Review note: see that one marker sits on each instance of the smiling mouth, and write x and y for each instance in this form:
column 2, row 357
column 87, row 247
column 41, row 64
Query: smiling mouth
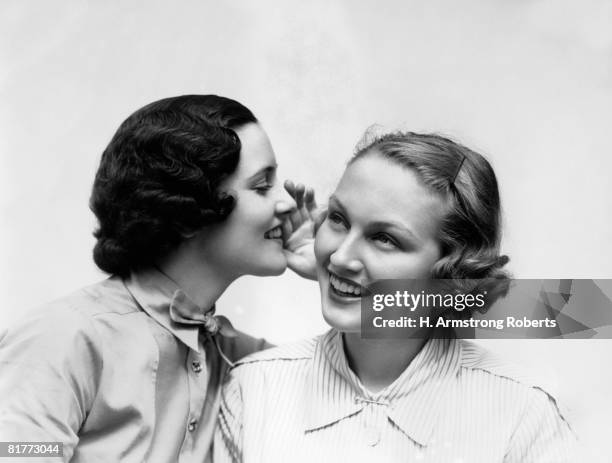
column 345, row 288
column 274, row 234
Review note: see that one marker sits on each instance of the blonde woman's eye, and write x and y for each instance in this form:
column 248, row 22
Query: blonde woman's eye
column 336, row 218
column 385, row 240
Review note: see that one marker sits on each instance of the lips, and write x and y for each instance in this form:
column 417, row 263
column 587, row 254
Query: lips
column 274, row 233
column 344, row 287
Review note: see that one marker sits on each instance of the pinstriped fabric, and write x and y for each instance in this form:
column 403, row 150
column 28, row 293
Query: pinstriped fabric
column 454, row 403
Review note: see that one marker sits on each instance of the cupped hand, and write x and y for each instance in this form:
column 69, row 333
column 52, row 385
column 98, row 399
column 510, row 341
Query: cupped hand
column 299, row 231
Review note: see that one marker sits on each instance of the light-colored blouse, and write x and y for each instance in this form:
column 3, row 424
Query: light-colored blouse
column 109, row 374
column 454, row 403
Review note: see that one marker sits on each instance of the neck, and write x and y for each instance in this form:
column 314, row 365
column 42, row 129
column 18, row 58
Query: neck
column 201, row 282
column 379, row 362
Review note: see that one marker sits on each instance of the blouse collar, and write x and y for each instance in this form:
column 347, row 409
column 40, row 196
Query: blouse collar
column 156, row 294
column 413, row 401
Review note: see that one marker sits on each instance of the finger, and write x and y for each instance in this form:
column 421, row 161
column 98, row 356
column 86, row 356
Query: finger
column 290, row 187
column 301, row 192
column 296, row 219
column 309, row 200
column 296, row 216
column 287, row 229
column 299, row 195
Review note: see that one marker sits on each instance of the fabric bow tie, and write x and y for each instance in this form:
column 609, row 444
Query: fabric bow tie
column 184, row 311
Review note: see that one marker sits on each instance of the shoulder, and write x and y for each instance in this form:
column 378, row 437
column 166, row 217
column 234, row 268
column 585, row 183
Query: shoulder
column 279, row 373
column 300, row 350
column 70, row 319
column 58, row 341
column 238, row 347
column 288, row 360
column 476, row 359
column 498, row 377
column 524, row 400
column 109, row 296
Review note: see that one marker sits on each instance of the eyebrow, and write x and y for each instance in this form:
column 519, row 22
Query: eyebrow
column 334, row 199
column 262, row 172
column 378, row 223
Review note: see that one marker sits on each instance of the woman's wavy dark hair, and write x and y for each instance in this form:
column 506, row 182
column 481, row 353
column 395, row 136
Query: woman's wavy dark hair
column 470, row 231
column 159, row 176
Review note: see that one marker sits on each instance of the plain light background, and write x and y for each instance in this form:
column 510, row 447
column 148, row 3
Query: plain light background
column 526, row 83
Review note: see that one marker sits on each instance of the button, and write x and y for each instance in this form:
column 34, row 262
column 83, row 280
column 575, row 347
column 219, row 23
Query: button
column 196, row 366
column 192, row 425
column 372, row 436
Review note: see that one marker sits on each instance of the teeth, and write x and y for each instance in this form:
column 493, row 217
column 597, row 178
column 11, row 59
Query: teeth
column 274, row 233
column 344, row 287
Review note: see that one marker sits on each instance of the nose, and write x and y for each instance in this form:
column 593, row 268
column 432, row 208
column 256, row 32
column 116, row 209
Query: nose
column 345, row 258
column 285, row 204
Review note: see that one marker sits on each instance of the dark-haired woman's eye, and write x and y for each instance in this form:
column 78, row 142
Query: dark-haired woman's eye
column 262, row 189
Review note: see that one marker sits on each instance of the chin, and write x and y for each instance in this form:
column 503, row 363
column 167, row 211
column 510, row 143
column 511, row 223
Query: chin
column 346, row 319
column 272, row 272
column 272, row 266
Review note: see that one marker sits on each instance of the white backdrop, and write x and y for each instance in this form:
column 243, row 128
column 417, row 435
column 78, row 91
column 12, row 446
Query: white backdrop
column 528, row 83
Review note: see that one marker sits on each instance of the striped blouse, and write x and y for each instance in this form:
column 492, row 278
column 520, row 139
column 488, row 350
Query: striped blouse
column 454, row 403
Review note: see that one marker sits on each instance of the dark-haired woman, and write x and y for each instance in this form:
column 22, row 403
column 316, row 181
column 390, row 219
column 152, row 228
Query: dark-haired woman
column 409, row 206
column 128, row 369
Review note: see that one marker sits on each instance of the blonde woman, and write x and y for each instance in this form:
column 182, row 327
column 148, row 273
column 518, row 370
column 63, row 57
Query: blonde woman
column 408, row 206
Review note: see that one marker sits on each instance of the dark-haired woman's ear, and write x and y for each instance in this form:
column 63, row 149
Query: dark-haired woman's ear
column 299, row 231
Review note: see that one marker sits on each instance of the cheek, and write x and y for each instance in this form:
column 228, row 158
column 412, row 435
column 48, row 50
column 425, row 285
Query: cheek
column 250, row 215
column 417, row 266
column 325, row 244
